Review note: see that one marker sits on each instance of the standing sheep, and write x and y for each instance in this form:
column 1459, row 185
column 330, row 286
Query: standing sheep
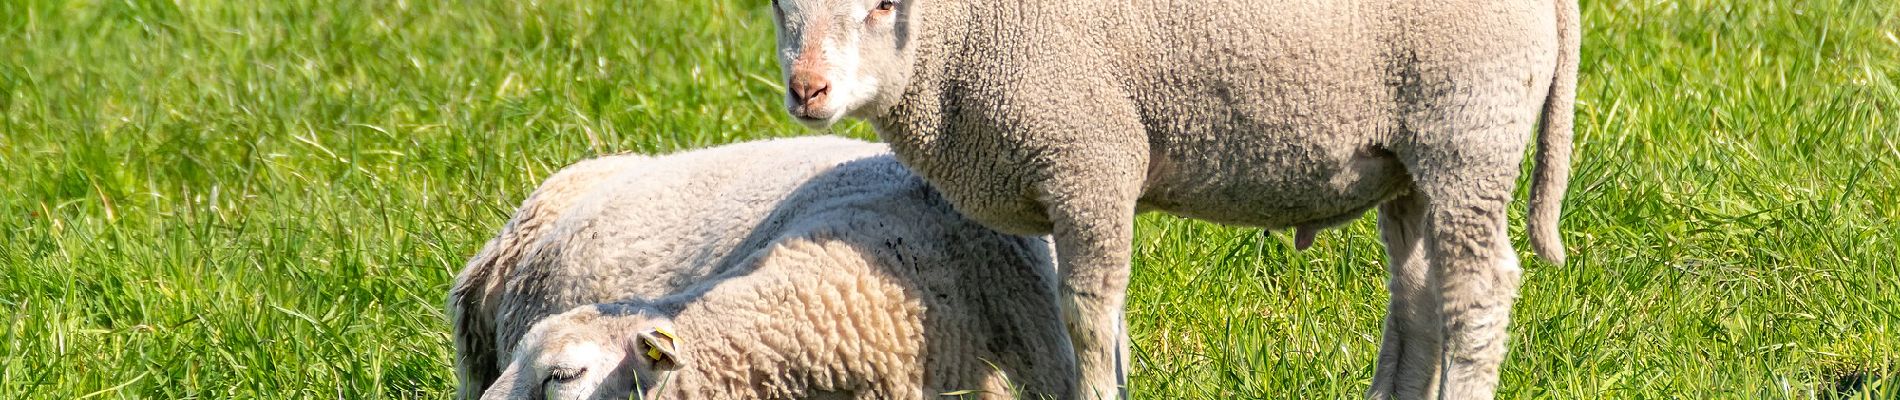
column 1068, row 117
column 791, row 268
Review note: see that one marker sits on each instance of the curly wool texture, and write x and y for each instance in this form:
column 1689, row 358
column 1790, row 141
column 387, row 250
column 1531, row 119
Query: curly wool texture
column 1068, row 117
column 850, row 307
column 1267, row 113
column 618, row 227
column 791, row 268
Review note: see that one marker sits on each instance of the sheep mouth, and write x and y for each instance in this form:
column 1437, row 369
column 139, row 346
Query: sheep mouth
column 811, row 118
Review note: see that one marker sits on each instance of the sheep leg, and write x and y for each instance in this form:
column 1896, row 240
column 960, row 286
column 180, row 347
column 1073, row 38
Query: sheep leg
column 1478, row 277
column 1468, row 184
column 1408, row 365
column 1092, row 247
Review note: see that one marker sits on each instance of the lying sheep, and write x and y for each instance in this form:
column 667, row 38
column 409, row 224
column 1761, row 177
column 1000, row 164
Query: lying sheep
column 1070, row 116
column 794, row 268
column 616, row 227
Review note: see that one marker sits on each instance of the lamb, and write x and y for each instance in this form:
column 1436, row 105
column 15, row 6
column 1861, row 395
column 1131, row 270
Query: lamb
column 618, row 227
column 793, row 268
column 1070, row 117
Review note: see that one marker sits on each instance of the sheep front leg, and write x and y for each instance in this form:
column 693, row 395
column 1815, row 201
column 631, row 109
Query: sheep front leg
column 1094, row 265
column 1092, row 246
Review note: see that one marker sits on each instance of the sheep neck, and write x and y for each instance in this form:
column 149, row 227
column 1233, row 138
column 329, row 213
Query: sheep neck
column 918, row 112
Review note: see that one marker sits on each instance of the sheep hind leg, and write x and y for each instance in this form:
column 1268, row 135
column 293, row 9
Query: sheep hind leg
column 1475, row 272
column 1408, row 364
column 1478, row 277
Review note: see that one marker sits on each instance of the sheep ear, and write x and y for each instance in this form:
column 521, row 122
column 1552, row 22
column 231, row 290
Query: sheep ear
column 661, row 346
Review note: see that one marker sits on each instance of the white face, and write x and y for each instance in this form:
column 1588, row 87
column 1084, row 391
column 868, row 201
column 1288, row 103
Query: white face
column 583, row 354
column 578, row 371
column 839, row 56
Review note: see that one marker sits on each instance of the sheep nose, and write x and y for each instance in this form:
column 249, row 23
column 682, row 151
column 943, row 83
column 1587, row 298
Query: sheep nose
column 808, row 88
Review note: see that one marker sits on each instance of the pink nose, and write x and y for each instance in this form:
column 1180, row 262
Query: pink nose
column 808, row 88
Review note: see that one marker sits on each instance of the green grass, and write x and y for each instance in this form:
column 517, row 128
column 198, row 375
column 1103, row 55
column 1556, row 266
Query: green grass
column 221, row 199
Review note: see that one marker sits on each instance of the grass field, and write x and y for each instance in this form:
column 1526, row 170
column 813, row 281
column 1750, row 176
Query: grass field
column 236, row 199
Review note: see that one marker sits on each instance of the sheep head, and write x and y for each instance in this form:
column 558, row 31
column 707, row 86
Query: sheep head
column 600, row 351
column 843, row 57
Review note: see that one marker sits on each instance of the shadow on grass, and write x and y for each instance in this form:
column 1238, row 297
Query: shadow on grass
column 1860, row 385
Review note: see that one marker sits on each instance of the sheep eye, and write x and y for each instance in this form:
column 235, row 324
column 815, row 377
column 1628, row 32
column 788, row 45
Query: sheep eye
column 563, row 374
column 886, row 5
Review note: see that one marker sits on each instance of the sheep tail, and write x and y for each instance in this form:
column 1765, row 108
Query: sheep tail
column 1552, row 174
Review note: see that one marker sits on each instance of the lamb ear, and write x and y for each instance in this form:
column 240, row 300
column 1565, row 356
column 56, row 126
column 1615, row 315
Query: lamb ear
column 659, row 345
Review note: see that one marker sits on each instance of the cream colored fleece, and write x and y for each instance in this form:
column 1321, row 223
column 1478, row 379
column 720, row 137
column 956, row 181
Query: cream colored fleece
column 1067, row 117
column 854, row 281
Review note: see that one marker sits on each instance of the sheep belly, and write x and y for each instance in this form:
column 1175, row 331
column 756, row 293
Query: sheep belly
column 1278, row 191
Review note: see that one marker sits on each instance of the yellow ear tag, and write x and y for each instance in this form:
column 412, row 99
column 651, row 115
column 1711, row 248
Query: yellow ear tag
column 653, row 349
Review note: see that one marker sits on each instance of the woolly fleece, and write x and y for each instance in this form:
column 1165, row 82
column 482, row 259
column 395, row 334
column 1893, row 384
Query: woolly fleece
column 1069, row 117
column 792, row 268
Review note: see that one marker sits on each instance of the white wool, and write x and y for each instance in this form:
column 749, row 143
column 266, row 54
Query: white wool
column 790, row 268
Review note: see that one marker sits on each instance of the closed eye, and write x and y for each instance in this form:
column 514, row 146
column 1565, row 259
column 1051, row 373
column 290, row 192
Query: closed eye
column 565, row 374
